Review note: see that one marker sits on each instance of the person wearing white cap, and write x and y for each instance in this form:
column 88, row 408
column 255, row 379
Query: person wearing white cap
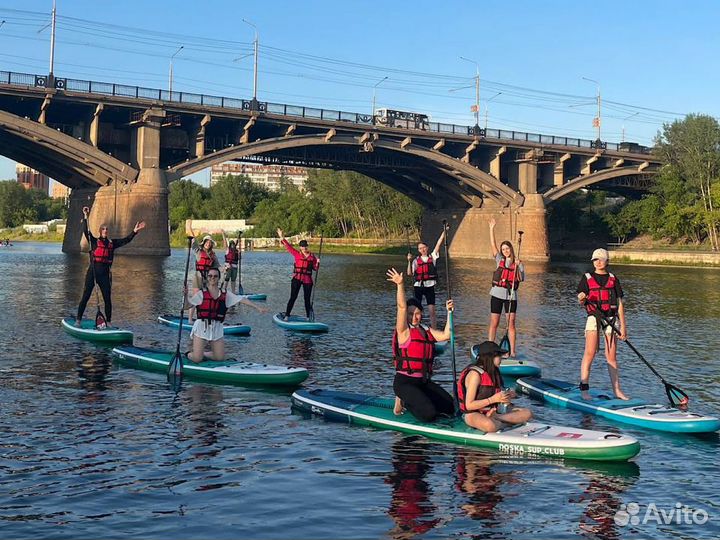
column 601, row 294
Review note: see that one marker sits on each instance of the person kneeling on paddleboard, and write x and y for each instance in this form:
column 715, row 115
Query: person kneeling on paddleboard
column 211, row 303
column 305, row 264
column 102, row 253
column 413, row 353
column 483, row 401
column 601, row 289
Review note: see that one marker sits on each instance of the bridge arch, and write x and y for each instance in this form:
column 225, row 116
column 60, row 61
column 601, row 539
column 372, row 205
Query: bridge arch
column 68, row 160
column 464, row 182
column 581, row 182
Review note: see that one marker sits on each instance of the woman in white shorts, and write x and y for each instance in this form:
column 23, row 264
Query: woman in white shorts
column 601, row 294
column 212, row 303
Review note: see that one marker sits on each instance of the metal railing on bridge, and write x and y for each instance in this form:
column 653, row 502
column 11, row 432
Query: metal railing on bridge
column 139, row 92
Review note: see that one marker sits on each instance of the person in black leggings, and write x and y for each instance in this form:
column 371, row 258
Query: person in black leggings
column 102, row 251
column 413, row 349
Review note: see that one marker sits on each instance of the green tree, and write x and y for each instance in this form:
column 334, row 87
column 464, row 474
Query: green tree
column 293, row 211
column 186, row 200
column 16, row 204
column 234, row 197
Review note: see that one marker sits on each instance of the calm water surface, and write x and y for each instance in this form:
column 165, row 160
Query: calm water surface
column 90, row 449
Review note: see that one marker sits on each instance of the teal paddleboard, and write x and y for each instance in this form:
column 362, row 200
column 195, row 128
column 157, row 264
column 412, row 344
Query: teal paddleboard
column 534, row 439
column 635, row 411
column 87, row 331
column 299, row 324
column 228, row 329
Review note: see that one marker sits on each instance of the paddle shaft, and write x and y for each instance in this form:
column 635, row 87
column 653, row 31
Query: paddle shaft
column 451, row 321
column 512, row 291
column 317, row 273
column 175, row 367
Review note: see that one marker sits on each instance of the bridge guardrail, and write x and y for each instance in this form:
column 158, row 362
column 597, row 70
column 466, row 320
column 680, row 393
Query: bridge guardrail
column 113, row 89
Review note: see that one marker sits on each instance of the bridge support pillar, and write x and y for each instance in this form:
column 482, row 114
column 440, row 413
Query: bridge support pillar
column 469, row 230
column 120, row 206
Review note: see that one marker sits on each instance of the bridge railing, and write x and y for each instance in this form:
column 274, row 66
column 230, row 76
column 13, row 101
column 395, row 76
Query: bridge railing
column 139, row 92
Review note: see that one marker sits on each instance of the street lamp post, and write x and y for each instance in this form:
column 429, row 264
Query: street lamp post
column 623, row 126
column 254, row 103
column 598, row 119
column 477, row 91
column 372, row 113
column 170, row 77
column 486, row 110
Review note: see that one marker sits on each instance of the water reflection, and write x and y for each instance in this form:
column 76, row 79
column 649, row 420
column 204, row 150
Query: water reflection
column 302, row 351
column 410, row 505
column 602, row 497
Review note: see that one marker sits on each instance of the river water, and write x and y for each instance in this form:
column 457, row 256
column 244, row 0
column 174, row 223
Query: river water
column 91, row 449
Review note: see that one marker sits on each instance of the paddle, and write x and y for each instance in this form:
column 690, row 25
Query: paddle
column 450, row 319
column 505, row 341
column 317, row 273
column 175, row 369
column 677, row 397
column 240, row 289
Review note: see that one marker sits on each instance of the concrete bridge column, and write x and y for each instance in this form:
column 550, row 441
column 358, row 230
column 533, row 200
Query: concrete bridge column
column 469, row 230
column 120, row 205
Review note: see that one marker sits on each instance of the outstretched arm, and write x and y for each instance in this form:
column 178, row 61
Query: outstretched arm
column 493, row 243
column 401, row 326
column 445, row 334
column 439, row 243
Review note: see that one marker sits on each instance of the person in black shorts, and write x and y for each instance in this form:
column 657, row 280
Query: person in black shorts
column 508, row 274
column 423, row 269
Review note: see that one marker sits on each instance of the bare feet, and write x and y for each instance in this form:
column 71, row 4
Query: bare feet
column 619, row 394
column 398, row 409
column 78, row 323
column 586, row 395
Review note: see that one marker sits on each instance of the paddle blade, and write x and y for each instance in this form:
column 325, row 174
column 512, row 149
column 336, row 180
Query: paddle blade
column 100, row 322
column 677, row 397
column 505, row 343
column 175, row 371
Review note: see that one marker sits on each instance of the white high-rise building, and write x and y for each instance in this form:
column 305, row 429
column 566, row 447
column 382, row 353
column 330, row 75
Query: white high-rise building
column 268, row 176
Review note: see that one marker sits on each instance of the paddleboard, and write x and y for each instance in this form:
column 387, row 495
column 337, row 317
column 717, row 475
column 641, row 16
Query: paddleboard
column 228, row 329
column 254, row 296
column 228, row 372
column 635, row 411
column 515, row 367
column 110, row 334
column 299, row 324
column 534, row 439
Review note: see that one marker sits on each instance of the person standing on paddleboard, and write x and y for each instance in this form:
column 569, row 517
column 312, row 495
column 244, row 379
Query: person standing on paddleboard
column 102, row 250
column 483, row 400
column 305, row 264
column 413, row 354
column 211, row 303
column 601, row 289
column 509, row 272
column 205, row 257
column 233, row 257
column 424, row 272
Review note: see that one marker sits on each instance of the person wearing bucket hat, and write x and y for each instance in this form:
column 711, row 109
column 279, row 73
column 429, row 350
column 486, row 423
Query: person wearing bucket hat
column 413, row 352
column 483, row 400
column 602, row 295
column 205, row 257
column 305, row 264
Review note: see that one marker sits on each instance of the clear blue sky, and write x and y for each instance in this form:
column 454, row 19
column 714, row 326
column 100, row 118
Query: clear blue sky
column 657, row 59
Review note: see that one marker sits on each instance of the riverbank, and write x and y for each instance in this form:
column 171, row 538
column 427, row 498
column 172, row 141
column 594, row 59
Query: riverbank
column 635, row 257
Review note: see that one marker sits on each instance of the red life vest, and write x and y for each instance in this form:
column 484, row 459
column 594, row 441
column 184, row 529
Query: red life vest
column 506, row 276
column 418, row 356
column 232, row 256
column 205, row 262
column 425, row 271
column 103, row 252
column 304, row 266
column 212, row 309
column 604, row 296
column 486, row 389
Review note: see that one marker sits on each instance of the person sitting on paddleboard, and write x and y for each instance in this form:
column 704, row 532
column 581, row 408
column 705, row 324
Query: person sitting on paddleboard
column 413, row 354
column 102, row 251
column 424, row 272
column 233, row 257
column 211, row 303
column 305, row 263
column 601, row 288
column 509, row 272
column 483, row 401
